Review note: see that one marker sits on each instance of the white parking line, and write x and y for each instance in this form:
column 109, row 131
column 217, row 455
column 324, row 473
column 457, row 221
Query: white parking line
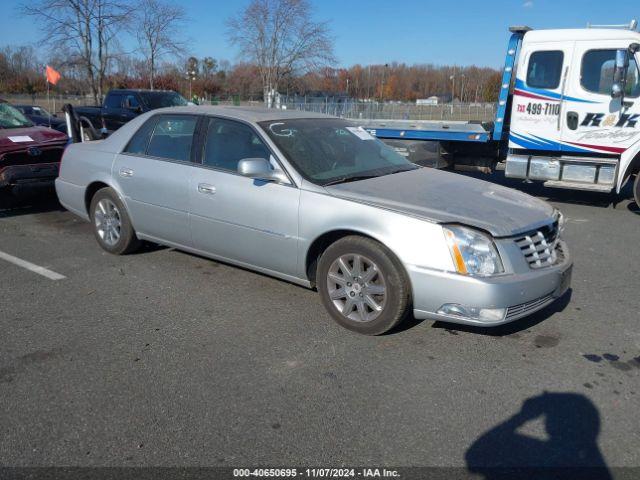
column 31, row 267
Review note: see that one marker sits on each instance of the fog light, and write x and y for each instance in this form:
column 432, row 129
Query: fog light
column 472, row 313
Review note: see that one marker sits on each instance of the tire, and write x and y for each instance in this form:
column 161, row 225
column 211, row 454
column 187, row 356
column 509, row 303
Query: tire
column 111, row 223
column 636, row 190
column 381, row 282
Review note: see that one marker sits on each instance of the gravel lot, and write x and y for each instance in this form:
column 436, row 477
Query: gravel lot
column 166, row 358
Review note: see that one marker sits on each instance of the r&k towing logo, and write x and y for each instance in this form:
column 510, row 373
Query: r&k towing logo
column 626, row 120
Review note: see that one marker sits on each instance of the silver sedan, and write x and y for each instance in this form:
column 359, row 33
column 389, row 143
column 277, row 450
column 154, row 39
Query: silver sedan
column 317, row 201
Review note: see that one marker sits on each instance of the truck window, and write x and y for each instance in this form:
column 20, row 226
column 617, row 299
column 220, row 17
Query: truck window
column 113, row 100
column 597, row 69
column 132, row 101
column 545, row 69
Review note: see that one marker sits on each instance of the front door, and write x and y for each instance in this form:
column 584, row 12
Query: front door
column 236, row 217
column 593, row 121
column 539, row 95
column 154, row 173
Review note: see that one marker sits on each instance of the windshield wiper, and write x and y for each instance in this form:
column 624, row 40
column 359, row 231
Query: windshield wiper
column 346, row 179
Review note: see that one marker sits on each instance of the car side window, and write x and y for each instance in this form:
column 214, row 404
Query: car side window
column 228, row 142
column 545, row 69
column 138, row 143
column 113, row 100
column 596, row 74
column 172, row 137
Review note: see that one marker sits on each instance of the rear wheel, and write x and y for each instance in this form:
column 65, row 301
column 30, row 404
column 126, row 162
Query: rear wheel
column 636, row 189
column 111, row 224
column 363, row 285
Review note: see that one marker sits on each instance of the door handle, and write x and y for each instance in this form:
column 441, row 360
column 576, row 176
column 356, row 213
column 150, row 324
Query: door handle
column 572, row 120
column 206, row 189
column 126, row 172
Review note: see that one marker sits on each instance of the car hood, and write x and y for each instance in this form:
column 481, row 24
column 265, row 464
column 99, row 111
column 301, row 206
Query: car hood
column 38, row 135
column 446, row 197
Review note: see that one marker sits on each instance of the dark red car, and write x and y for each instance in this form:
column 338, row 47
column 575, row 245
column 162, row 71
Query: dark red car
column 28, row 154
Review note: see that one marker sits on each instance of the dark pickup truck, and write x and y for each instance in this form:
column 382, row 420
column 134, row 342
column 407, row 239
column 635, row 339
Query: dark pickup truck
column 122, row 105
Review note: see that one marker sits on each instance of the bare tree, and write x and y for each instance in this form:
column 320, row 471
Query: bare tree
column 87, row 28
column 281, row 39
column 157, row 29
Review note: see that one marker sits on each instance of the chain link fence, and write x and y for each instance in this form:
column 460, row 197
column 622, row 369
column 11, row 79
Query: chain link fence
column 483, row 112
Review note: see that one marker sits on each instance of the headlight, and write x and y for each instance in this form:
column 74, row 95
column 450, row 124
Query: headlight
column 473, row 252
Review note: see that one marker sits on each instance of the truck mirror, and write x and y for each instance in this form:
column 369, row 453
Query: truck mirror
column 620, row 73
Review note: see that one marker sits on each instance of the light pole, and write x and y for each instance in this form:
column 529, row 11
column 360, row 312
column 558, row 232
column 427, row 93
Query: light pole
column 384, row 73
column 191, row 72
column 191, row 76
column 462, row 88
column 453, row 89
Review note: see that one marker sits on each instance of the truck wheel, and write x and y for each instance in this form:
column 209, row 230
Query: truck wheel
column 363, row 285
column 111, row 224
column 636, row 189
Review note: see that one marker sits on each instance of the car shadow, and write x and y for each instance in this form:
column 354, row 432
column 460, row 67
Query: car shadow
column 513, row 327
column 28, row 199
column 568, row 447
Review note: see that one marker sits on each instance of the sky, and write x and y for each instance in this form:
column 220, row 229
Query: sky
column 444, row 32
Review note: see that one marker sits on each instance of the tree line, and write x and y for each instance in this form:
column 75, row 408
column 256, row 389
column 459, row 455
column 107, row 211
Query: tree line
column 281, row 49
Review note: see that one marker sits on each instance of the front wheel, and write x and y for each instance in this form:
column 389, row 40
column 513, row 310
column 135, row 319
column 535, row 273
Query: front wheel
column 636, row 189
column 111, row 224
column 363, row 285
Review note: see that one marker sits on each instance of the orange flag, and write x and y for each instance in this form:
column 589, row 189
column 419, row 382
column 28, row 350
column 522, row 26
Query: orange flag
column 52, row 75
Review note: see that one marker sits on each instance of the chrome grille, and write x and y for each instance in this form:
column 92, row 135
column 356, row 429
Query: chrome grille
column 525, row 308
column 540, row 247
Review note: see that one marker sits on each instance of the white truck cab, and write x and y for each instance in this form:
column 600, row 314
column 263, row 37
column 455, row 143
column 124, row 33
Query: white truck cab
column 575, row 109
column 568, row 113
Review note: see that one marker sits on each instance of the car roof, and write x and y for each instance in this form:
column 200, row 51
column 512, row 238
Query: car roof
column 249, row 114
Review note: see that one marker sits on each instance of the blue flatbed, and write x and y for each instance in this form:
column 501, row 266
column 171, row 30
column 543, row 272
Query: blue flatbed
column 428, row 130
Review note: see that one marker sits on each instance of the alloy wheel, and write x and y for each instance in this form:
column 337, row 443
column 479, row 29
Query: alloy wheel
column 108, row 222
column 356, row 287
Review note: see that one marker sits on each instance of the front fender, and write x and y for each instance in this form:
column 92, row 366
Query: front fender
column 414, row 241
column 629, row 161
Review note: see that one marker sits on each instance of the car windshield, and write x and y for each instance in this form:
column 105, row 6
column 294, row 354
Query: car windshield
column 162, row 99
column 329, row 151
column 11, row 117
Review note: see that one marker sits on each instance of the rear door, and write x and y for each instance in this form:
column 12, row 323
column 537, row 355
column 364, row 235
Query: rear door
column 594, row 122
column 539, row 96
column 236, row 217
column 154, row 174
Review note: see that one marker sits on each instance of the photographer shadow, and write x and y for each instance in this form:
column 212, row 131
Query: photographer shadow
column 572, row 425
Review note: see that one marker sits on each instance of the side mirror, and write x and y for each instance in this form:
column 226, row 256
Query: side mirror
column 260, row 169
column 620, row 73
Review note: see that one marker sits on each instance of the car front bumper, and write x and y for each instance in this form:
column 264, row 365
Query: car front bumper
column 36, row 173
column 520, row 294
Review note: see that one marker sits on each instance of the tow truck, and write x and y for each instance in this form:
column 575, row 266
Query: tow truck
column 568, row 113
